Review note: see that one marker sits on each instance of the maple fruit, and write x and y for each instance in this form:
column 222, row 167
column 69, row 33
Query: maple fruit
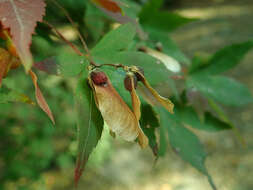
column 115, row 112
column 128, row 82
column 99, row 77
column 139, row 77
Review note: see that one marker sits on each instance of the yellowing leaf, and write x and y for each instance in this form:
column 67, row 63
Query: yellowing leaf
column 165, row 102
column 40, row 98
column 169, row 62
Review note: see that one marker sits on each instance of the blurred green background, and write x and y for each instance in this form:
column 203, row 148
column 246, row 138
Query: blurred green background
column 36, row 155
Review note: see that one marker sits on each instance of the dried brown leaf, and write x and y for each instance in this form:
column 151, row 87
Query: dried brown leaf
column 40, row 98
column 165, row 102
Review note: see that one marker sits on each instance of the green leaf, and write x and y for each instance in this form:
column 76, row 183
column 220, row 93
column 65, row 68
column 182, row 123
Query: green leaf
column 149, row 8
column 154, row 70
column 223, row 116
column 169, row 47
column 163, row 145
column 227, row 58
column 222, row 89
column 188, row 116
column 185, row 143
column 199, row 61
column 8, row 95
column 70, row 64
column 166, row 21
column 131, row 9
column 94, row 20
column 151, row 16
column 149, row 123
column 90, row 124
column 115, row 40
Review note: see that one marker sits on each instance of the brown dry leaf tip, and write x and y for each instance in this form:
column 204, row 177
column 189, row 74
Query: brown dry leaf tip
column 116, row 114
column 166, row 103
column 40, row 98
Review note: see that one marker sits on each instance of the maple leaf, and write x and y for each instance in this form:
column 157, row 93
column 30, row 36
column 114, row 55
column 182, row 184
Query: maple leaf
column 21, row 16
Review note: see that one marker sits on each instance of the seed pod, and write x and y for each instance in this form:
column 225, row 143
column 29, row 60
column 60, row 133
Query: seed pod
column 128, row 83
column 99, row 78
column 138, row 76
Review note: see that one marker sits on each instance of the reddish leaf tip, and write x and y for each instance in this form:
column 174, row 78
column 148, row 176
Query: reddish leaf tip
column 78, row 173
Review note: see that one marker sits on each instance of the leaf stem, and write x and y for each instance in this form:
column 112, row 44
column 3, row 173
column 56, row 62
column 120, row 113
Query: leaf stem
column 74, row 25
column 113, row 65
column 64, row 39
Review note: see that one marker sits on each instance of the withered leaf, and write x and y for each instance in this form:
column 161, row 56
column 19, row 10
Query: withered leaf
column 40, row 98
column 165, row 102
column 21, row 17
column 169, row 62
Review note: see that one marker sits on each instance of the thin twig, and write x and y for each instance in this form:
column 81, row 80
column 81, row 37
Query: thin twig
column 73, row 24
column 113, row 65
column 64, row 39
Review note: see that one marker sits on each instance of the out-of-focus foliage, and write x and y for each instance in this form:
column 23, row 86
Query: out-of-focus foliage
column 30, row 145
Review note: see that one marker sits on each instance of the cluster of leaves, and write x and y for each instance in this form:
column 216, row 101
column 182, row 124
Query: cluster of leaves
column 145, row 44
